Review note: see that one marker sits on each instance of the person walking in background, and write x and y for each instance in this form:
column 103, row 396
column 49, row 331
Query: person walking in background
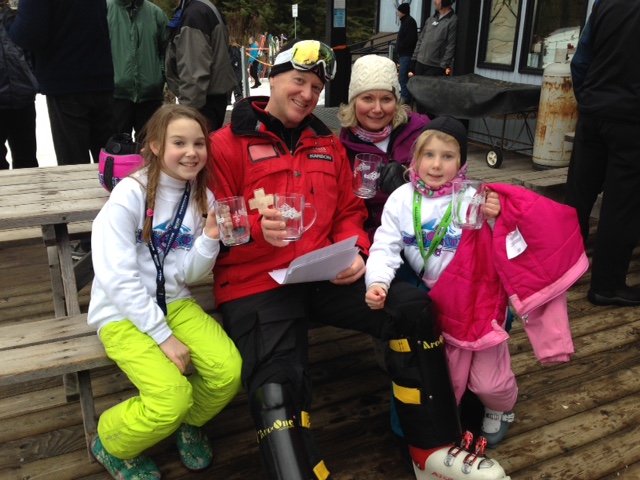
column 254, row 55
column 262, row 56
column 197, row 64
column 606, row 152
column 149, row 241
column 436, row 46
column 405, row 45
column 235, row 55
column 18, row 89
column 138, row 32
column 73, row 66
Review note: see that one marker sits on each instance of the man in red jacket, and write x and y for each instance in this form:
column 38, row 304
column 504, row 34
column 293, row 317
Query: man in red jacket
column 276, row 145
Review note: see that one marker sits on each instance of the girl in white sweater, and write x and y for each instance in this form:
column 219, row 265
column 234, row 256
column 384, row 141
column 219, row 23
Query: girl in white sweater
column 439, row 159
column 156, row 234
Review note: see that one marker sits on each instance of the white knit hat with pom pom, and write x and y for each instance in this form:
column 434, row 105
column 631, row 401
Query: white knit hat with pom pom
column 373, row 72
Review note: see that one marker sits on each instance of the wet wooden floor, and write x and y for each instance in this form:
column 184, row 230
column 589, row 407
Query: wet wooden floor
column 578, row 421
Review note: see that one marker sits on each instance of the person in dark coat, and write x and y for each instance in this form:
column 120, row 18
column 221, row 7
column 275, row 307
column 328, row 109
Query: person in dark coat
column 606, row 150
column 405, row 44
column 236, row 62
column 70, row 42
column 18, row 88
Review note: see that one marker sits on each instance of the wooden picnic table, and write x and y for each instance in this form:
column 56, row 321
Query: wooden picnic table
column 50, row 198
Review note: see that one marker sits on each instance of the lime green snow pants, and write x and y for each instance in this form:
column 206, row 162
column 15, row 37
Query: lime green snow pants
column 166, row 397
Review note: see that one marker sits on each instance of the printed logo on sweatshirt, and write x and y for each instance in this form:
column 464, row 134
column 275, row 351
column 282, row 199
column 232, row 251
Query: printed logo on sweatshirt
column 450, row 242
column 160, row 236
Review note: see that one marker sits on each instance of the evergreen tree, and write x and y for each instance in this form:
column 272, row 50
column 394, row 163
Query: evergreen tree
column 247, row 18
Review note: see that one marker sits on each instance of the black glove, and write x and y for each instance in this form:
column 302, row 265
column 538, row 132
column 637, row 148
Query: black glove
column 392, row 176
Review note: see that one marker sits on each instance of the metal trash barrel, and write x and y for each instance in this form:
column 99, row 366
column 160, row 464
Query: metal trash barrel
column 557, row 115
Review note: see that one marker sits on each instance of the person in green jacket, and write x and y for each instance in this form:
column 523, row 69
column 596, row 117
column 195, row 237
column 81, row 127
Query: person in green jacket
column 138, row 33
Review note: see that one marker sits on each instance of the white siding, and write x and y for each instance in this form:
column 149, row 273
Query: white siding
column 514, row 136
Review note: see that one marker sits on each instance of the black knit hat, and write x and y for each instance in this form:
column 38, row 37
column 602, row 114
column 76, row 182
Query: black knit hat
column 453, row 127
column 404, row 8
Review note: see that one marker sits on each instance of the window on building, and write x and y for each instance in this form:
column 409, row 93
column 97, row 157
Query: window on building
column 499, row 34
column 551, row 27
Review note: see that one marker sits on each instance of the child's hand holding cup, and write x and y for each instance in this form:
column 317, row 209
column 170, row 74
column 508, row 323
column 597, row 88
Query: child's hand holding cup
column 233, row 221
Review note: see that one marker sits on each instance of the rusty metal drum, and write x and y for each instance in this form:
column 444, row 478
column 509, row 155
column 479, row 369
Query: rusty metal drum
column 557, row 116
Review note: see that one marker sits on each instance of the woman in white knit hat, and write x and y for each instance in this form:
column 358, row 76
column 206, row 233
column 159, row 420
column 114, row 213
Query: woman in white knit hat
column 376, row 121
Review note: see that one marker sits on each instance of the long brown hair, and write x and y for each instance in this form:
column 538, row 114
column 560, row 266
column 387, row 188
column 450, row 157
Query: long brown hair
column 155, row 131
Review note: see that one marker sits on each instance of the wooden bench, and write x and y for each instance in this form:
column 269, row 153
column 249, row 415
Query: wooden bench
column 550, row 183
column 63, row 346
column 33, row 235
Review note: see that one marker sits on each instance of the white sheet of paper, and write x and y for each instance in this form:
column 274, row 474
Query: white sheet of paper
column 319, row 265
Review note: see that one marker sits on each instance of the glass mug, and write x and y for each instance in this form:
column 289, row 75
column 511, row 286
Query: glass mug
column 292, row 207
column 366, row 172
column 233, row 221
column 468, row 204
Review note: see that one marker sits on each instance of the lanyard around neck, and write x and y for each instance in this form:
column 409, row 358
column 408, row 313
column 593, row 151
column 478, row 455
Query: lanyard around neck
column 158, row 260
column 417, row 227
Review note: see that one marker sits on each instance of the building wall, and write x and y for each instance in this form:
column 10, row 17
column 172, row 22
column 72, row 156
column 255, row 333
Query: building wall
column 489, row 130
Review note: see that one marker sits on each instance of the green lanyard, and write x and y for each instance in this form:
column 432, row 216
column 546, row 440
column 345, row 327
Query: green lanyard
column 417, row 226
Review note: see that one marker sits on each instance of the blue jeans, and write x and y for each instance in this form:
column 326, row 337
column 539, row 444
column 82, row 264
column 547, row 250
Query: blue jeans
column 405, row 63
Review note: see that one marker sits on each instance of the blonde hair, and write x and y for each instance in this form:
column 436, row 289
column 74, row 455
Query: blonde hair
column 424, row 139
column 155, row 131
column 348, row 119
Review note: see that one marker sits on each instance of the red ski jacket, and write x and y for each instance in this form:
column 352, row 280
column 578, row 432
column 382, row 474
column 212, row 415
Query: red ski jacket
column 250, row 161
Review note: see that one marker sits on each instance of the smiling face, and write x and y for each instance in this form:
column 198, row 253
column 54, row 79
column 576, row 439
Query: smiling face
column 185, row 149
column 375, row 109
column 438, row 162
column 294, row 95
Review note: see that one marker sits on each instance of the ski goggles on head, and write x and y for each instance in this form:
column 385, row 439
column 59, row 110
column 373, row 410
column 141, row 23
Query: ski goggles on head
column 307, row 56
